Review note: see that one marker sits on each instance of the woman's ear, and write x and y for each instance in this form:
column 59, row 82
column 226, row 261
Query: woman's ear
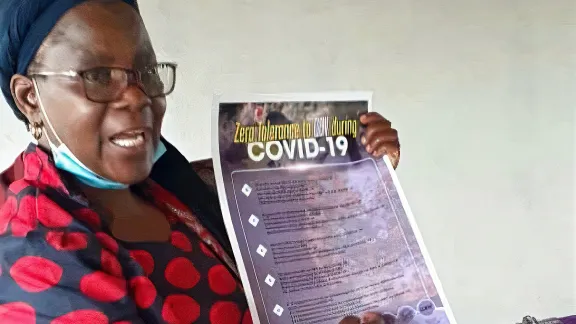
column 24, row 95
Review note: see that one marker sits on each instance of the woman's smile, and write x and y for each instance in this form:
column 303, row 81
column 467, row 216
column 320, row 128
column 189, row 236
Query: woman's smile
column 134, row 140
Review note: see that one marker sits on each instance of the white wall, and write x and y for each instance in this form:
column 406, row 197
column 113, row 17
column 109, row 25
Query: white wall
column 482, row 92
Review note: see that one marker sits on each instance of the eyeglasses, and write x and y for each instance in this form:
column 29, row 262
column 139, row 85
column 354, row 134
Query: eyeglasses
column 106, row 84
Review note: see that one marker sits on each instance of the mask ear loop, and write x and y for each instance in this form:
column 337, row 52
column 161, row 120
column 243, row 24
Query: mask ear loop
column 43, row 111
column 62, row 145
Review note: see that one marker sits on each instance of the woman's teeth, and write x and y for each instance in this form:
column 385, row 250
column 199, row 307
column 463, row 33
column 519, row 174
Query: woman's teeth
column 132, row 140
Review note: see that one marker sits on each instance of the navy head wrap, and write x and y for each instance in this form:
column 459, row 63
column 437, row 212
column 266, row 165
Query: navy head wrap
column 24, row 24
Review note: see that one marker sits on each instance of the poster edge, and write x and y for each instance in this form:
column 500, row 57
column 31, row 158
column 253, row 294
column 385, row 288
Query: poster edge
column 338, row 96
column 420, row 239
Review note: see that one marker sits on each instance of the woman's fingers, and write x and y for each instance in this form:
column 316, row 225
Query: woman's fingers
column 379, row 134
column 380, row 138
column 382, row 148
column 373, row 117
column 390, row 148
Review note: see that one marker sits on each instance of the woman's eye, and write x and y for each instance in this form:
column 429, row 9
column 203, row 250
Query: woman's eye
column 153, row 71
column 101, row 76
column 151, row 77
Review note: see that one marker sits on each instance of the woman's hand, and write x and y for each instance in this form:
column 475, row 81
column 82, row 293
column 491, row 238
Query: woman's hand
column 380, row 138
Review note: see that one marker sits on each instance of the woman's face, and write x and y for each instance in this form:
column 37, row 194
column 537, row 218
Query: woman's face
column 98, row 34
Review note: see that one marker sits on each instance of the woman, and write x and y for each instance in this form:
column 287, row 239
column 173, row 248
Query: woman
column 101, row 220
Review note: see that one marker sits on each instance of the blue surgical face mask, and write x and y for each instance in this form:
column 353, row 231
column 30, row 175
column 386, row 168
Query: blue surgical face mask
column 67, row 161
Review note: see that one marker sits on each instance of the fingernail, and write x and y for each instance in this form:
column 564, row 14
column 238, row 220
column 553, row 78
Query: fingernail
column 368, row 148
column 363, row 140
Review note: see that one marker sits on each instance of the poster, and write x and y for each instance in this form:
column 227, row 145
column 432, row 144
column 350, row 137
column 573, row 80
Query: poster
column 321, row 231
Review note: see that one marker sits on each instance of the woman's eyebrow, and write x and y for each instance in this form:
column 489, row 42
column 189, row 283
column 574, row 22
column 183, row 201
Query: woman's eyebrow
column 91, row 57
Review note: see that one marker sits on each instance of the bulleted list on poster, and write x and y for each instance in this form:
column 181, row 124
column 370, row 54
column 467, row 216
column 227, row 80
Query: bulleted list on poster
column 320, row 228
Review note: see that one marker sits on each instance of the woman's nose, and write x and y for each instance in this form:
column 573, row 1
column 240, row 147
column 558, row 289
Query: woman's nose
column 134, row 98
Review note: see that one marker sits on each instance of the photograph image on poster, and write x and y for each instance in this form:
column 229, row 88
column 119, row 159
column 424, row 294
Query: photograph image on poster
column 321, row 230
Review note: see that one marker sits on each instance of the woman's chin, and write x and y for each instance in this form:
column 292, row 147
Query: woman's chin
column 131, row 175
